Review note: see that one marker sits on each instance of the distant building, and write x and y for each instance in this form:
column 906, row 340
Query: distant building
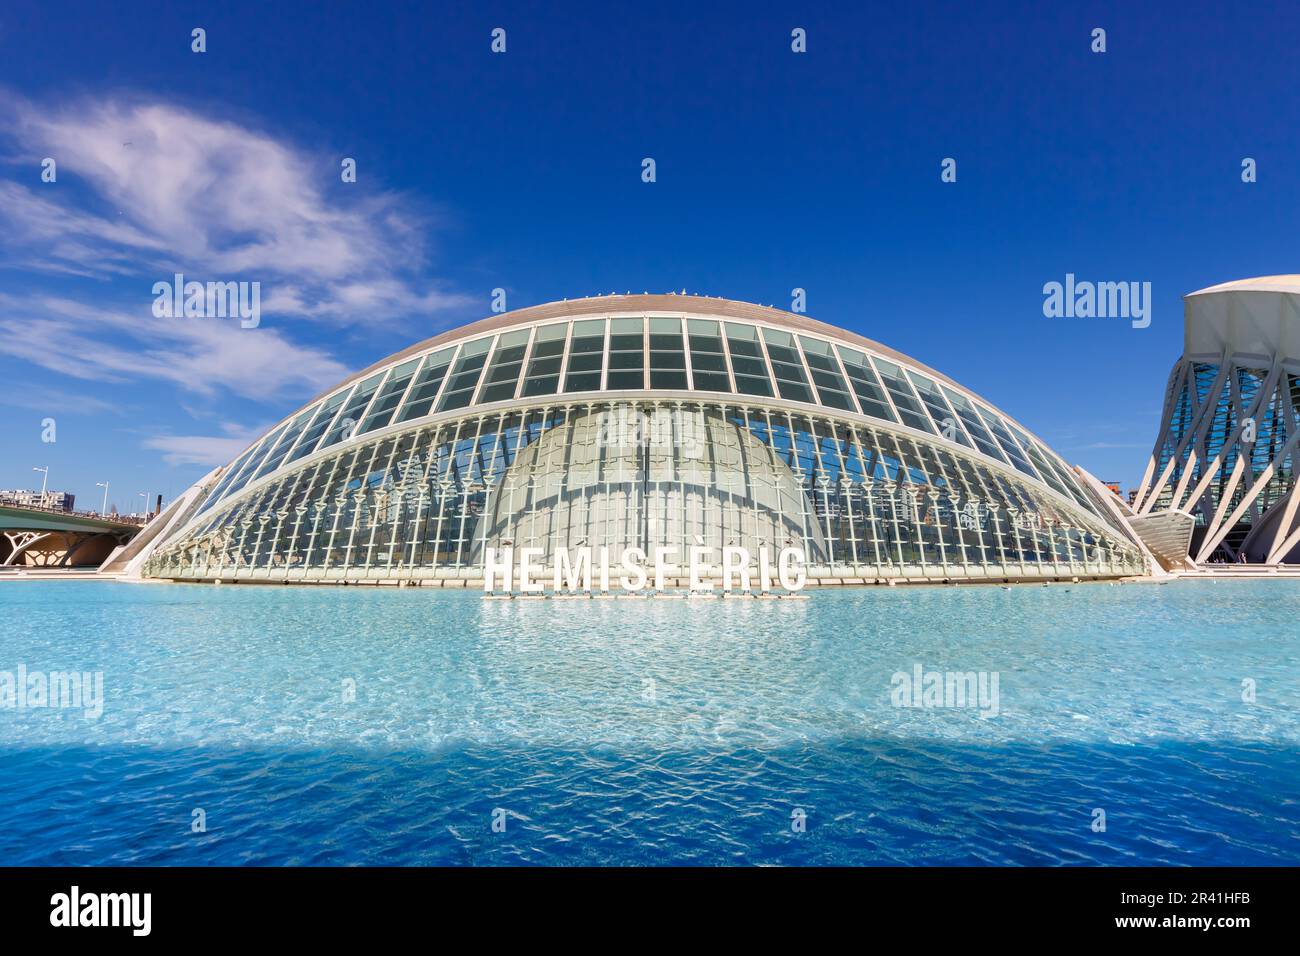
column 1114, row 488
column 60, row 500
column 1224, row 463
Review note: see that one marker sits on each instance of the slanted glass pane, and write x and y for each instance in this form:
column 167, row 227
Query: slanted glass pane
column 543, row 377
column 787, row 366
column 586, row 355
column 974, row 426
column 708, row 361
column 866, row 386
column 320, row 421
column 667, row 354
column 747, row 360
column 246, row 475
column 232, row 474
column 831, row 387
column 425, row 390
column 622, row 328
column 345, row 425
column 707, row 357
column 507, row 362
column 1005, row 441
column 234, row 471
column 1056, row 476
column 948, row 426
column 665, row 327
column 465, row 375
column 1045, row 470
column 901, row 392
column 381, row 412
column 626, row 354
column 668, row 360
column 283, row 444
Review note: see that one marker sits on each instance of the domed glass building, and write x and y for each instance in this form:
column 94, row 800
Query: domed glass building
column 645, row 421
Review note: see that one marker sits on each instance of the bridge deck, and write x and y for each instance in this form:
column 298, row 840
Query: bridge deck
column 15, row 518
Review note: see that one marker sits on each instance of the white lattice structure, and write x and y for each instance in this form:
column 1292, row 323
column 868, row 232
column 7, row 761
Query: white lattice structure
column 646, row 421
column 1226, row 451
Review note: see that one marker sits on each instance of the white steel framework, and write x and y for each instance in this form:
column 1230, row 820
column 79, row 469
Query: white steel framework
column 1227, row 445
column 646, row 421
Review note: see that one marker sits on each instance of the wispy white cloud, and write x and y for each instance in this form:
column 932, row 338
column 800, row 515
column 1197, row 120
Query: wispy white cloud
column 202, row 356
column 151, row 188
column 50, row 401
column 209, row 450
column 146, row 189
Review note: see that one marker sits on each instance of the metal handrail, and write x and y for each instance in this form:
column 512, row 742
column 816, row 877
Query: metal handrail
column 119, row 519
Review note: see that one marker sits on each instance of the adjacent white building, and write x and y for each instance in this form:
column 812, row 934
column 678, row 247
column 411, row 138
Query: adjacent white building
column 1220, row 483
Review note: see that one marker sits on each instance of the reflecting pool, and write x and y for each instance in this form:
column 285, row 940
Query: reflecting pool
column 376, row 726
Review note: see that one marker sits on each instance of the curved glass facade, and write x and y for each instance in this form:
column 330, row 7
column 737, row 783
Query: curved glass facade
column 603, row 428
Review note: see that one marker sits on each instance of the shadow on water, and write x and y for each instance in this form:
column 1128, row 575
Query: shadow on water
column 1127, row 700
column 869, row 801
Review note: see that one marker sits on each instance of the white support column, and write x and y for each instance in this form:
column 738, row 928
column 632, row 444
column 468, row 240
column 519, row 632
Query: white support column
column 20, row 541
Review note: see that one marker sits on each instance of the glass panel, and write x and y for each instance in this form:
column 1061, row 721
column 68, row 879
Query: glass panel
column 1012, row 450
column 787, row 366
column 356, row 513
column 1056, row 475
column 708, row 362
column 465, row 375
column 831, row 387
column 940, row 414
column 324, row 415
column 246, row 475
column 283, row 444
column 586, row 353
column 974, row 427
column 427, row 383
column 747, row 360
column 908, row 407
column 345, row 425
column 381, row 413
column 250, row 469
column 1045, row 470
column 622, row 328
column 625, row 360
column 866, row 386
column 507, row 362
column 231, row 474
column 626, row 354
column 667, row 354
column 543, row 376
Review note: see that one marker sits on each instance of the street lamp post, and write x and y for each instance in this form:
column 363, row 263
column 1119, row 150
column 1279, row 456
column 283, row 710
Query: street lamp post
column 45, row 477
column 103, row 484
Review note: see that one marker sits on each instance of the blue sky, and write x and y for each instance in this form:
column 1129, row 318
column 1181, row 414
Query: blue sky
column 522, row 170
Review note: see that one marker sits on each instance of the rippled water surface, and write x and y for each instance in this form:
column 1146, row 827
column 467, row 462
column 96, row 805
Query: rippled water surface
column 652, row 732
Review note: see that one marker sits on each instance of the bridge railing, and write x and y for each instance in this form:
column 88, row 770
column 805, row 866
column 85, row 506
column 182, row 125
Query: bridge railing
column 119, row 519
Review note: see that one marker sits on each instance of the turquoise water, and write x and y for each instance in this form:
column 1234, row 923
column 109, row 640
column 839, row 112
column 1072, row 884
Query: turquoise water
column 653, row 732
